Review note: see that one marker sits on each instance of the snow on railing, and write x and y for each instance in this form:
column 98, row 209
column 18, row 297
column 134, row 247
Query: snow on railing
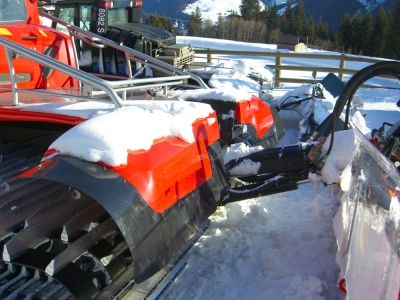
column 279, row 66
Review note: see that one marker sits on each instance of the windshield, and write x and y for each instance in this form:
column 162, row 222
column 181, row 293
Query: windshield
column 12, row 10
column 117, row 16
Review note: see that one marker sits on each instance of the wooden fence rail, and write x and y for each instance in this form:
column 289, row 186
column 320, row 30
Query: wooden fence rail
column 280, row 66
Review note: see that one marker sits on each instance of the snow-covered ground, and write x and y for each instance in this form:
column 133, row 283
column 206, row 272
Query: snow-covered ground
column 275, row 247
column 280, row 246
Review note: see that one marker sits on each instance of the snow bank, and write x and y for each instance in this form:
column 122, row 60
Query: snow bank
column 246, row 167
column 235, row 82
column 219, row 44
column 108, row 137
column 235, row 75
column 321, row 107
column 340, row 156
column 239, row 150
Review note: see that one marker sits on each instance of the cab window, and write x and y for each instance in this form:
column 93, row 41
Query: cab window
column 67, row 15
column 117, row 16
column 12, row 11
column 85, row 16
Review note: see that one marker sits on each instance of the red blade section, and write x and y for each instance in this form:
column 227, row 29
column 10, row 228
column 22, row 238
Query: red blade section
column 255, row 112
column 172, row 168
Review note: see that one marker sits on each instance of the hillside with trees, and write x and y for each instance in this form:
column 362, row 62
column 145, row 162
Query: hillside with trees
column 363, row 33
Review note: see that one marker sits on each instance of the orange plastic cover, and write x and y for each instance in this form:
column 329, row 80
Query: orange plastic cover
column 172, row 168
column 255, row 112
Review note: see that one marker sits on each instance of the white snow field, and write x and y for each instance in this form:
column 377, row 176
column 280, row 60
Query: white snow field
column 280, row 246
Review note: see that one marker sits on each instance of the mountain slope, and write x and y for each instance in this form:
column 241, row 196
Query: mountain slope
column 332, row 11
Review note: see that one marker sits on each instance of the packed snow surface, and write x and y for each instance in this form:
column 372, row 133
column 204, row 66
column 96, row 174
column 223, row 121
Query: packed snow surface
column 276, row 247
column 108, row 137
column 218, row 44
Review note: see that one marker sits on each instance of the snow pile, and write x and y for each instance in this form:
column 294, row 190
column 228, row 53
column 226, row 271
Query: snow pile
column 239, row 150
column 236, row 81
column 245, row 167
column 247, row 67
column 319, row 106
column 233, row 74
column 108, row 137
column 339, row 157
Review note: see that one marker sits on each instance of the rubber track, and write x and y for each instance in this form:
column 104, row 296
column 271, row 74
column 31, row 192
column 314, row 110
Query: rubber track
column 44, row 228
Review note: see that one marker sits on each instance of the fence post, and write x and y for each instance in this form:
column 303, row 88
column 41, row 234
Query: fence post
column 209, row 56
column 342, row 66
column 278, row 63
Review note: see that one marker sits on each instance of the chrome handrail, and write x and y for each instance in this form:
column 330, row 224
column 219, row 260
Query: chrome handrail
column 97, row 41
column 11, row 47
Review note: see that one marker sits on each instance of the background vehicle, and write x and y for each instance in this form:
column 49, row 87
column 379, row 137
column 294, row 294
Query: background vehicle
column 121, row 21
column 19, row 22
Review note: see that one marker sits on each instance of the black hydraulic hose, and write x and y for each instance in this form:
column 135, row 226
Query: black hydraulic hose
column 381, row 68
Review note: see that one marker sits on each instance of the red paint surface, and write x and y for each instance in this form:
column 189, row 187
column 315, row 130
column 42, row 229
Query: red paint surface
column 34, row 36
column 255, row 112
column 171, row 168
column 14, row 114
column 342, row 286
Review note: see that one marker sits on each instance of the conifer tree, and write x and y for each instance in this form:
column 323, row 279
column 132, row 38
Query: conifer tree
column 195, row 23
column 322, row 30
column 287, row 19
column 250, row 9
column 380, row 33
column 273, row 17
column 311, row 30
column 357, row 33
column 345, row 33
column 367, row 28
column 220, row 27
column 393, row 41
column 299, row 19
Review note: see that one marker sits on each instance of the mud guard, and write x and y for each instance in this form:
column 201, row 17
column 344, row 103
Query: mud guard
column 153, row 238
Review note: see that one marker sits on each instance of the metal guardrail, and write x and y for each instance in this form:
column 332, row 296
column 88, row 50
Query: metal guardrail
column 279, row 66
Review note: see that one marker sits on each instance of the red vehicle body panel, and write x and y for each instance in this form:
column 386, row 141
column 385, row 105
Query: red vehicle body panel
column 42, row 39
column 164, row 174
column 172, row 168
column 14, row 114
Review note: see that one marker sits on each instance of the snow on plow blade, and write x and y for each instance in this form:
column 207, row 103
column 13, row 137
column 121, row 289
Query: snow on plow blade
column 367, row 226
